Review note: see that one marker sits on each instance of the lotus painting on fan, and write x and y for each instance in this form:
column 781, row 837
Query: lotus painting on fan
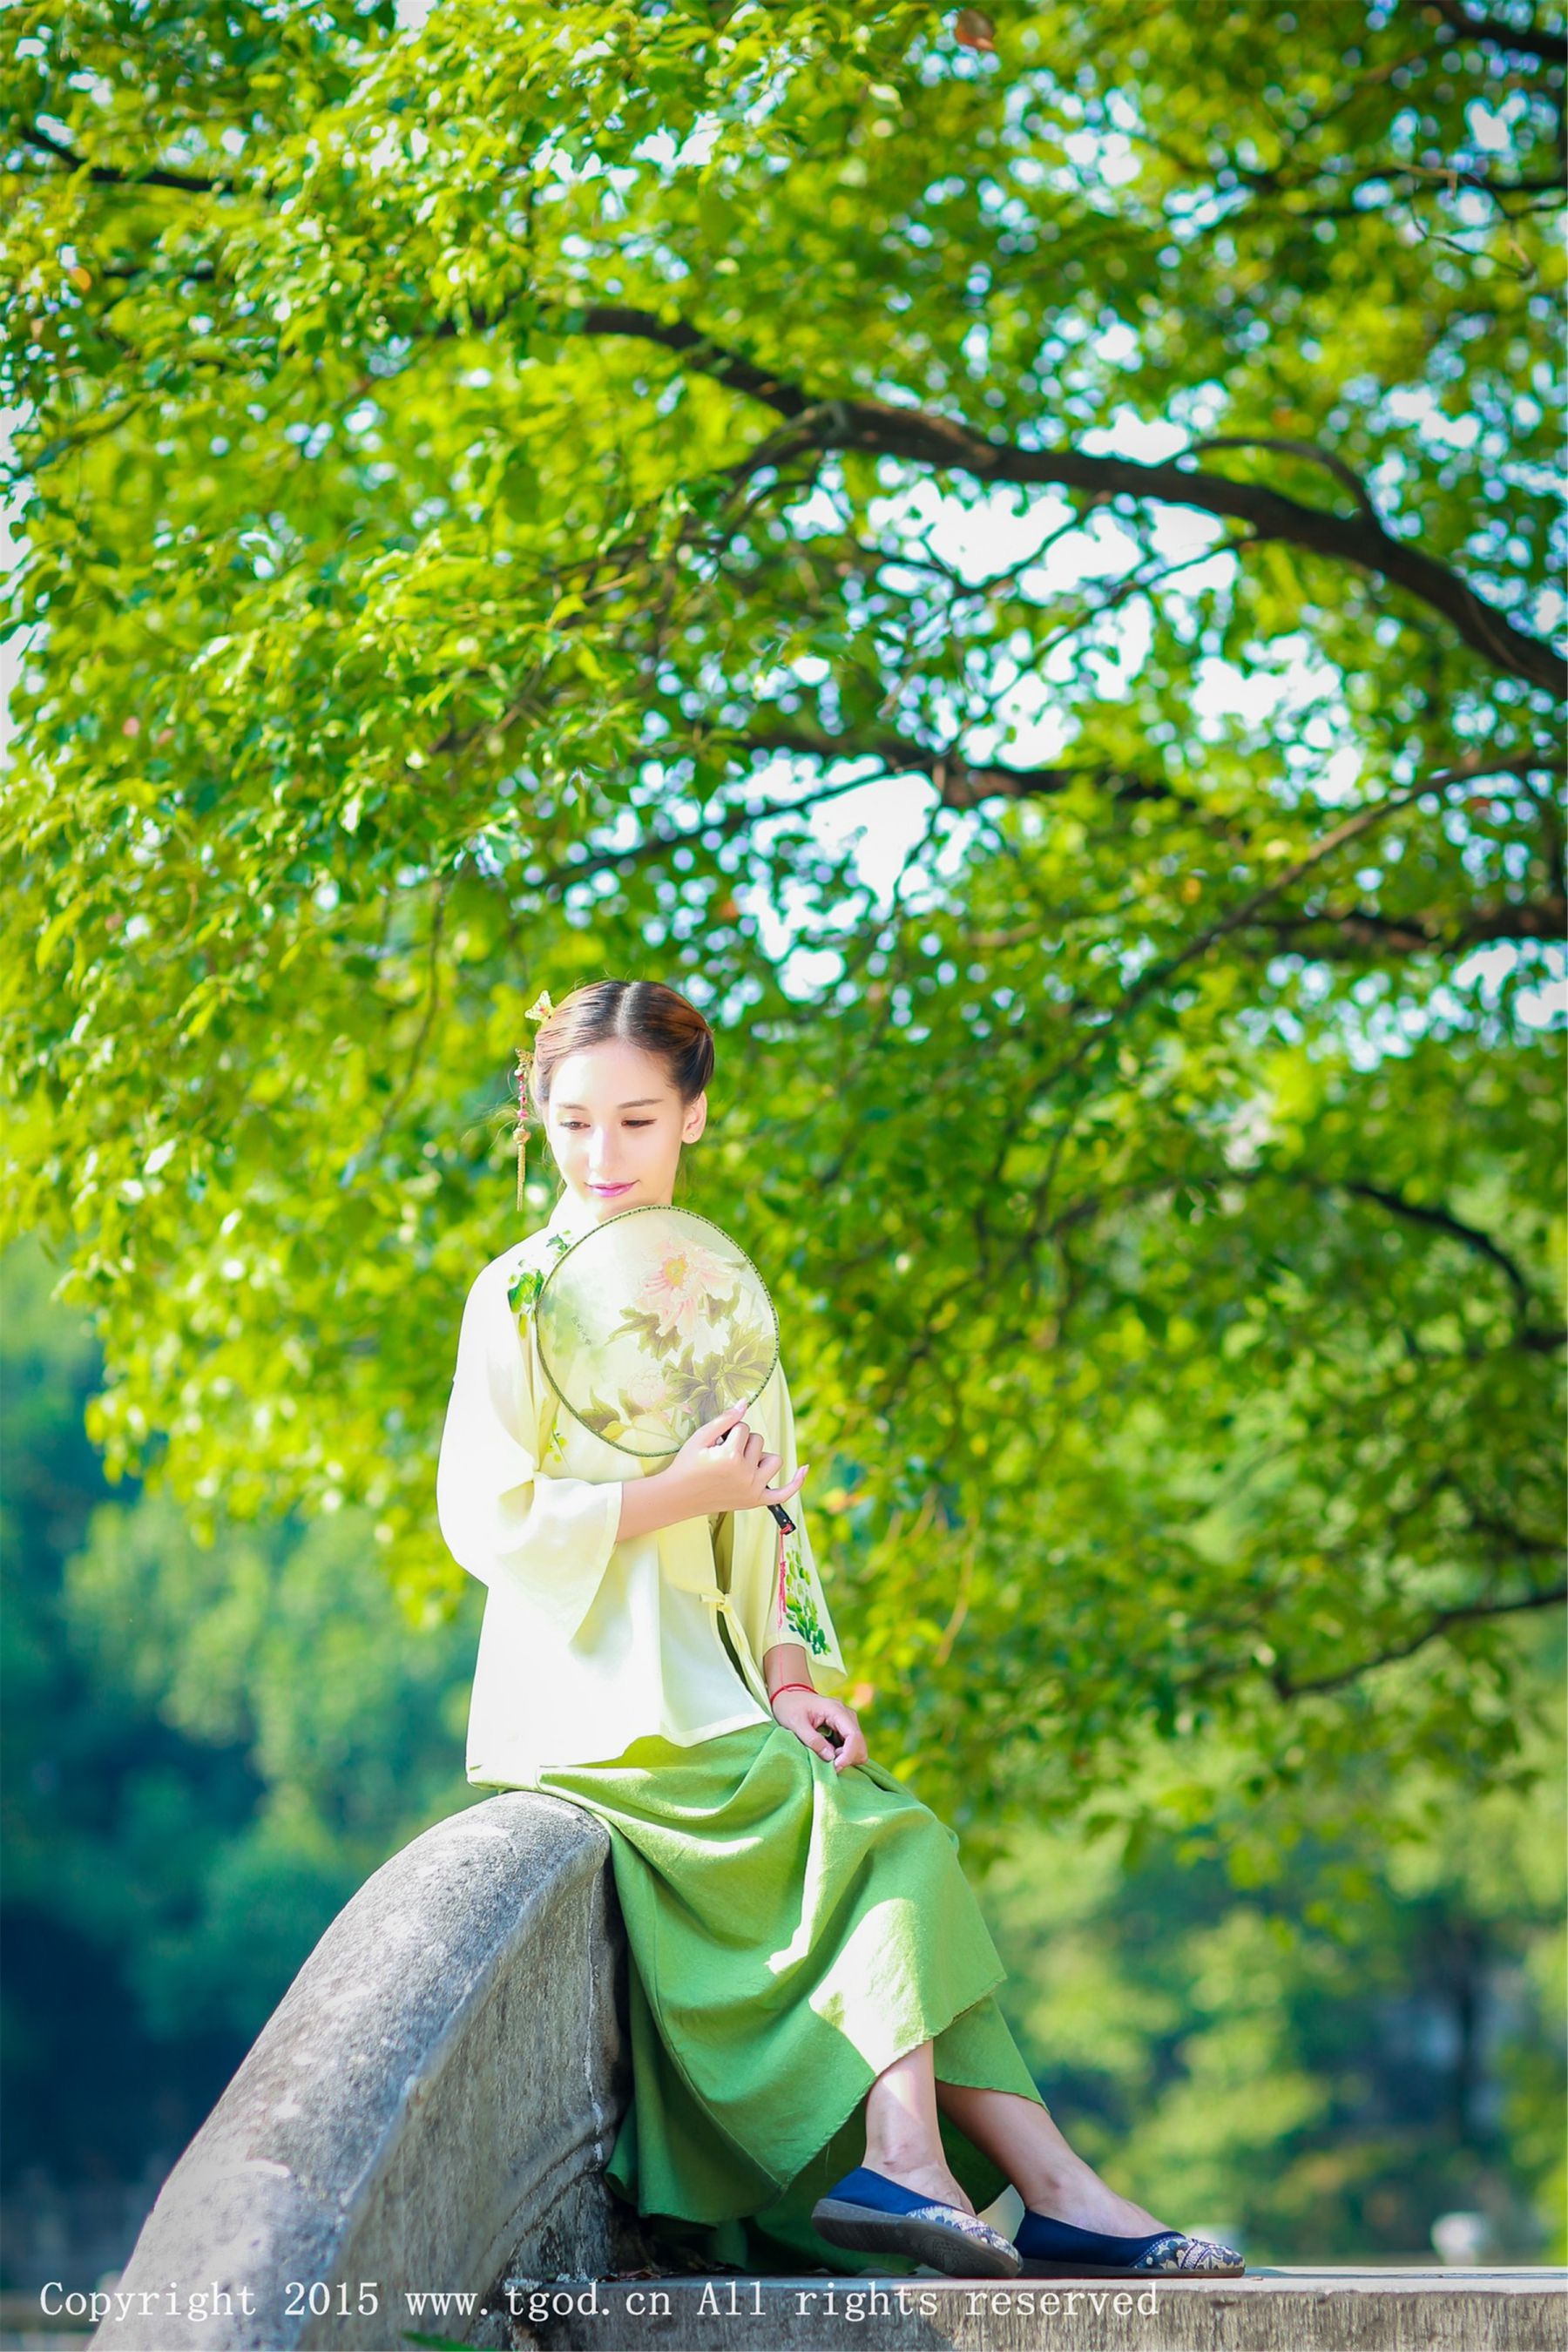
column 652, row 1323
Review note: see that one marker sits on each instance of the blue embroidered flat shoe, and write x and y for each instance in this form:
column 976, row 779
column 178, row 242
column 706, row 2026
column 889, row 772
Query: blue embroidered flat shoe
column 871, row 2214
column 1052, row 2248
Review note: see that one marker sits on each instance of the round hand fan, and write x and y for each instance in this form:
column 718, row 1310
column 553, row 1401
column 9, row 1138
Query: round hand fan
column 651, row 1324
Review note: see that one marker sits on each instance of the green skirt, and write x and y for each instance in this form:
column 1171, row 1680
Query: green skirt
column 792, row 1930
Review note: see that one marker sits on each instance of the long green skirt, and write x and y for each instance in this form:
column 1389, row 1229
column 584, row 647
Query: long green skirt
column 792, row 1930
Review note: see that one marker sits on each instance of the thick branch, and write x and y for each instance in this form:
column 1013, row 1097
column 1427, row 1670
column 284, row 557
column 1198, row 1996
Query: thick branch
column 1362, row 929
column 1470, row 1613
column 1313, row 451
column 1498, row 33
column 959, row 784
column 1516, row 1538
column 105, row 175
column 710, row 356
column 879, row 429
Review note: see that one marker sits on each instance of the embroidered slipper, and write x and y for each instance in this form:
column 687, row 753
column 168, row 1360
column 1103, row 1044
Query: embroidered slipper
column 871, row 2214
column 1052, row 2248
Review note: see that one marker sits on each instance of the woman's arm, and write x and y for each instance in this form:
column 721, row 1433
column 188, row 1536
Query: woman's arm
column 660, row 1501
column 798, row 1621
column 797, row 1642
column 547, row 1539
column 787, row 1661
column 828, row 1725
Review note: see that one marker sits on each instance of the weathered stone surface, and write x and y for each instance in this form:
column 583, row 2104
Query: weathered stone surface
column 432, row 2102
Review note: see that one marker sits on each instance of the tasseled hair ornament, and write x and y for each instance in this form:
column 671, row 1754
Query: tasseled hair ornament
column 538, row 1010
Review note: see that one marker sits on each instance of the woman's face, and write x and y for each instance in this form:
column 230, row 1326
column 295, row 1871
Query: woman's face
column 615, row 1119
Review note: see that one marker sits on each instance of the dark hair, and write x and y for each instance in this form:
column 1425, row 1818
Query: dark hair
column 642, row 1012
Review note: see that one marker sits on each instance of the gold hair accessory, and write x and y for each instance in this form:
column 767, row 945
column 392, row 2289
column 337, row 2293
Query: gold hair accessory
column 540, row 1010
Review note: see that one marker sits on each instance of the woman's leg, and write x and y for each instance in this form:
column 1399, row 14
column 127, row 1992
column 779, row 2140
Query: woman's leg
column 1021, row 2138
column 903, row 2140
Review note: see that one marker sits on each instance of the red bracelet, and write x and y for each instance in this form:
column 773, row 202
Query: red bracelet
column 811, row 1687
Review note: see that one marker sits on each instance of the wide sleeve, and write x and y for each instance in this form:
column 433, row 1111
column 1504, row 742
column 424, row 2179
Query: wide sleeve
column 748, row 1541
column 547, row 1540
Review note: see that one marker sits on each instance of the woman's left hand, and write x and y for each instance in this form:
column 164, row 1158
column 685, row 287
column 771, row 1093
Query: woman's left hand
column 805, row 1713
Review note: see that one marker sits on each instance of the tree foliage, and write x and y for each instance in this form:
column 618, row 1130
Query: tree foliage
column 1314, row 2071
column 491, row 485
column 204, row 1753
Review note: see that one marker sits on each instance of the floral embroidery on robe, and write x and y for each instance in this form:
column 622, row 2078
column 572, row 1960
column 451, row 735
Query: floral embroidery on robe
column 800, row 1603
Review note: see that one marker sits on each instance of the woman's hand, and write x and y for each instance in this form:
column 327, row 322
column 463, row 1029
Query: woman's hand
column 722, row 1468
column 805, row 1712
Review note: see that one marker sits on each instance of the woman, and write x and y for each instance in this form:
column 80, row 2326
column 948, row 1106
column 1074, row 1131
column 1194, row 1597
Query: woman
column 819, row 2060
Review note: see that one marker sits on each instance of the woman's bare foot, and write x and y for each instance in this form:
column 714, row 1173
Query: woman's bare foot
column 927, row 2175
column 1076, row 2194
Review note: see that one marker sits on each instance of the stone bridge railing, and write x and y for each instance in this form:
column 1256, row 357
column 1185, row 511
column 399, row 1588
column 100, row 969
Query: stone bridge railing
column 429, row 2107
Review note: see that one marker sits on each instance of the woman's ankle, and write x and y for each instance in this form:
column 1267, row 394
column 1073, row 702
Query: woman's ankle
column 1049, row 2187
column 1086, row 2202
column 906, row 2157
column 929, row 2173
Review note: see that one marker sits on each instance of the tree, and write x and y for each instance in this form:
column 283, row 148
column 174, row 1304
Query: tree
column 1319, row 2062
column 491, row 485
column 206, row 1752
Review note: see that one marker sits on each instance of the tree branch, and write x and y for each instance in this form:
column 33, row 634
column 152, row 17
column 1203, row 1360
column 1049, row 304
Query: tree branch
column 104, row 175
column 878, row 429
column 959, row 784
column 710, row 356
column 1442, row 1221
column 1470, row 1611
column 1367, row 928
column 1535, row 1336
column 1315, row 454
column 727, row 822
column 1520, row 40
column 1161, row 972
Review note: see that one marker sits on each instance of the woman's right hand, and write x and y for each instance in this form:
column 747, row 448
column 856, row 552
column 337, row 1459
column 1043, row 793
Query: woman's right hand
column 722, row 1468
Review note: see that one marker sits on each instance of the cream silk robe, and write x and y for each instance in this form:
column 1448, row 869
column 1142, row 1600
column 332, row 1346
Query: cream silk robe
column 589, row 1643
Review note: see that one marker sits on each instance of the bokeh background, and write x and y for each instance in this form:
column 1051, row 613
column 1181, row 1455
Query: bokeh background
column 1016, row 560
